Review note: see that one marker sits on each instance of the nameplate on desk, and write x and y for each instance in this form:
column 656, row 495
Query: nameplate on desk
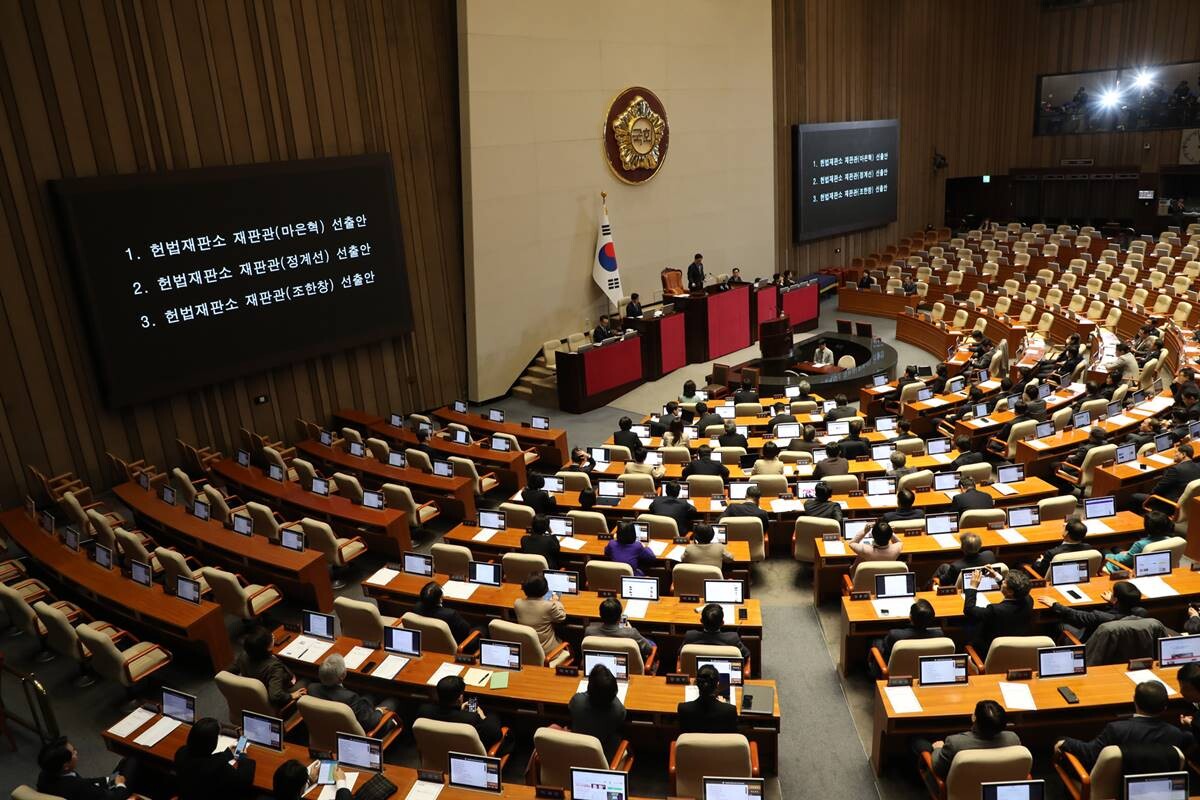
column 292, row 627
column 1025, row 674
column 367, row 643
column 995, row 526
column 913, row 532
column 567, row 672
column 606, row 593
column 1196, row 566
column 604, row 537
column 945, row 590
column 862, row 458
column 856, row 493
column 921, row 489
column 678, row 679
column 680, row 540
column 900, row 680
column 464, row 658
column 649, row 495
column 549, row 792
column 431, row 775
column 1037, row 583
column 1140, row 663
column 689, row 598
column 1120, row 575
column 831, row 537
column 860, row 595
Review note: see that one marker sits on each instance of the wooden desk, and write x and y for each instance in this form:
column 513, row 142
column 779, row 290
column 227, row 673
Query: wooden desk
column 383, row 530
column 591, row 378
column 861, row 625
column 924, row 553
column 1122, row 480
column 665, row 622
column 551, row 444
column 793, row 472
column 716, row 321
column 455, row 495
column 1105, row 693
column 977, row 430
column 510, row 467
column 1029, row 490
column 304, row 577
column 143, row 609
column 663, row 345
column 540, row 696
column 809, row 368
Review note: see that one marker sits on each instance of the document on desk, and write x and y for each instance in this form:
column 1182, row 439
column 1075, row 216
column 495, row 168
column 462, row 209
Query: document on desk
column 941, row 458
column 658, row 546
column 476, row 676
column 1096, row 526
column 1073, row 593
column 1037, row 444
column 306, row 649
column 1140, row 676
column 883, row 463
column 890, row 606
column 1166, row 461
column 1004, row 489
column 691, row 693
column 484, row 535
column 676, row 553
column 383, row 575
column 1121, row 419
column 131, row 723
column 881, row 500
column 330, row 792
column 157, row 732
column 804, row 470
column 390, row 667
column 1156, row 405
column 224, row 743
column 459, row 590
column 1017, row 696
column 1153, row 587
column 622, row 688
column 424, row 790
column 571, row 543
column 636, row 609
column 835, row 548
column 983, row 599
column 356, row 657
column 779, row 506
column 903, row 699
column 716, row 505
column 643, row 503
column 444, row 671
column 1012, row 536
column 945, row 539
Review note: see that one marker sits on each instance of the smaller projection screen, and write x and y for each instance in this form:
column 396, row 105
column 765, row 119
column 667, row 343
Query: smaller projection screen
column 845, row 177
column 199, row 276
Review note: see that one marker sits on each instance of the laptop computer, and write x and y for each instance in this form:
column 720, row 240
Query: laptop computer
column 499, row 655
column 599, row 784
column 942, row 670
column 1157, row 786
column 1059, row 662
column 481, row 773
column 403, row 641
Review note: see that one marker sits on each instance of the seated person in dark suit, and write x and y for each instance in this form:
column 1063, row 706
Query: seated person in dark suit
column 709, row 712
column 731, row 437
column 598, row 711
column 987, row 732
column 670, row 417
column 821, row 504
column 900, row 468
column 625, row 436
column 602, row 330
column 1073, row 541
column 909, row 376
column 940, row 375
column 966, row 455
column 749, row 507
column 735, row 276
column 782, row 415
column 202, row 774
column 833, row 464
column 1176, row 477
column 1124, row 601
column 841, row 411
column 634, row 309
column 429, row 604
column 57, row 762
column 329, row 686
column 536, row 497
column 970, row 497
column 921, row 619
column 712, row 618
column 450, row 707
column 580, row 461
column 706, row 419
column 1010, row 617
column 292, row 778
column 610, row 625
column 807, row 443
column 670, row 505
column 1096, row 437
column 1189, row 686
column 259, row 663
column 1184, row 379
column 746, row 394
column 422, row 434
column 865, row 281
column 704, row 464
column 1037, row 408
column 973, row 555
column 854, row 446
column 905, row 498
column 904, row 430
column 539, row 541
column 1021, row 414
column 1146, row 726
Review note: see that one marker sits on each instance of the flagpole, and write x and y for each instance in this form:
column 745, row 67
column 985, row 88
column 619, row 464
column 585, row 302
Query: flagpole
column 604, row 206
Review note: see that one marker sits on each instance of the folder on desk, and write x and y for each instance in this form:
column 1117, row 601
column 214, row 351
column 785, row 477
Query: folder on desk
column 757, row 699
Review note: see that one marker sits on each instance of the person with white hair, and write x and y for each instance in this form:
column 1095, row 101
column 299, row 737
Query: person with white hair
column 331, row 674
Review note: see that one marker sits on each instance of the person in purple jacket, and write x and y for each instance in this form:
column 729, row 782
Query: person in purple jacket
column 628, row 550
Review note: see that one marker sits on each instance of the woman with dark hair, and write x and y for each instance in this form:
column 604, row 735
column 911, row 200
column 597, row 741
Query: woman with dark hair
column 539, row 541
column 675, row 436
column 883, row 546
column 709, row 712
column 598, row 711
column 689, row 393
column 203, row 774
column 628, row 550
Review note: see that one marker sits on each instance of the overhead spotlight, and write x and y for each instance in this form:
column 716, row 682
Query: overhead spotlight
column 1109, row 98
column 1143, row 79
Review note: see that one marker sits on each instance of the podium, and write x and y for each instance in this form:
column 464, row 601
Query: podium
column 775, row 345
column 764, row 306
column 596, row 376
column 801, row 304
column 716, row 321
column 663, row 344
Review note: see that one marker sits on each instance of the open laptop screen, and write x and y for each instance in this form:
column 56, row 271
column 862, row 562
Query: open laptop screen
column 1157, row 786
column 474, row 772
column 942, row 670
column 598, row 784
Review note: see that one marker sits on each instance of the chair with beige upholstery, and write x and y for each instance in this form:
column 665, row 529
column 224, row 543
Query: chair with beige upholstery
column 129, row 667
column 806, row 531
column 1106, row 779
column 532, row 653
column 132, row 549
column 518, row 567
column 592, row 523
column 972, row 768
column 770, row 485
column 690, row 578
column 339, row 550
column 636, row 664
column 686, row 661
column 176, row 565
column 556, row 751
column 450, row 559
column 980, row 517
column 397, row 496
column 325, row 719
column 23, row 616
column 266, row 522
column 306, row 472
column 697, row 755
column 246, row 601
column 705, row 485
column 730, row 456
column 915, row 480
column 250, row 694
column 436, row 740
column 187, row 489
column 660, row 526
column 578, row 481
column 1059, row 507
column 605, row 576
column 1008, row 652
column 348, row 486
column 517, row 515
column 436, row 635
column 1008, row 448
column 747, row 529
column 418, row 459
column 841, row 484
column 379, row 449
column 360, row 619
column 674, row 455
column 1081, row 477
column 636, row 483
column 218, row 504
column 906, row 655
column 863, row 579
column 63, row 638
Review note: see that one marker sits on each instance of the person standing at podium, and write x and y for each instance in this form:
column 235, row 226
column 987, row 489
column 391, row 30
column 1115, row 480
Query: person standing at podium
column 634, row 309
column 823, row 356
column 695, row 274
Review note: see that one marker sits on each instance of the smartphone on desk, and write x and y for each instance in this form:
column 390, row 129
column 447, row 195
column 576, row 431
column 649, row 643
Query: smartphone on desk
column 327, row 773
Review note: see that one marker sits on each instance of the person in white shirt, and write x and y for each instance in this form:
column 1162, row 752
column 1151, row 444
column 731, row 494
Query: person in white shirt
column 822, row 356
column 1125, row 364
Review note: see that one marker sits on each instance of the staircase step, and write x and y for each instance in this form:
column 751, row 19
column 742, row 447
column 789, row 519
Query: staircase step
column 523, row 390
column 540, row 372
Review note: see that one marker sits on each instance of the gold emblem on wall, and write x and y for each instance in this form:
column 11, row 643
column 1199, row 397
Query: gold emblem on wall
column 636, row 135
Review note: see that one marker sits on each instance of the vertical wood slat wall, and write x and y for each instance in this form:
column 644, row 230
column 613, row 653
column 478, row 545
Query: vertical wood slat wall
column 961, row 77
column 124, row 86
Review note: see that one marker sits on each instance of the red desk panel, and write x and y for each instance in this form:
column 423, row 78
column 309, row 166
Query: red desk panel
column 766, row 306
column 674, row 349
column 728, row 321
column 612, row 365
column 801, row 305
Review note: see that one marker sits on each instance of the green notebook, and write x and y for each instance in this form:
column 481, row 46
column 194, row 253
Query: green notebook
column 499, row 680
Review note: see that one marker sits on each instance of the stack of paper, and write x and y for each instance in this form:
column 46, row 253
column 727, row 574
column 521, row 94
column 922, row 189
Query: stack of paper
column 357, row 656
column 444, row 671
column 1097, row 526
column 676, row 553
column 424, row 790
column 390, row 667
column 658, row 546
column 636, row 609
column 484, row 535
column 945, row 540
column 903, row 699
column 1004, row 489
column 1166, row 461
column 224, row 743
column 891, row 606
column 459, row 590
column 643, row 503
column 383, row 575
column 1142, row 675
column 306, row 648
column 1120, row 419
column 1017, row 696
column 156, row 732
column 330, row 792
column 941, row 458
column 1153, row 587
column 131, row 723
column 881, row 500
column 835, row 548
column 982, row 600
column 1011, row 536
column 571, row 543
column 476, row 677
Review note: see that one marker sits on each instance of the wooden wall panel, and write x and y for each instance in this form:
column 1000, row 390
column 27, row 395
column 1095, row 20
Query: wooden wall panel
column 89, row 88
column 961, row 77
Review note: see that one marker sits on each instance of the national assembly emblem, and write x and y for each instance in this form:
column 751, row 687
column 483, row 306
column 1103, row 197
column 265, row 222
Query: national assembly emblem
column 636, row 135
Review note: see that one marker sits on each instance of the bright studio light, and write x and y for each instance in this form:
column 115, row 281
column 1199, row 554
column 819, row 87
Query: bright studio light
column 1109, row 98
column 1143, row 79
